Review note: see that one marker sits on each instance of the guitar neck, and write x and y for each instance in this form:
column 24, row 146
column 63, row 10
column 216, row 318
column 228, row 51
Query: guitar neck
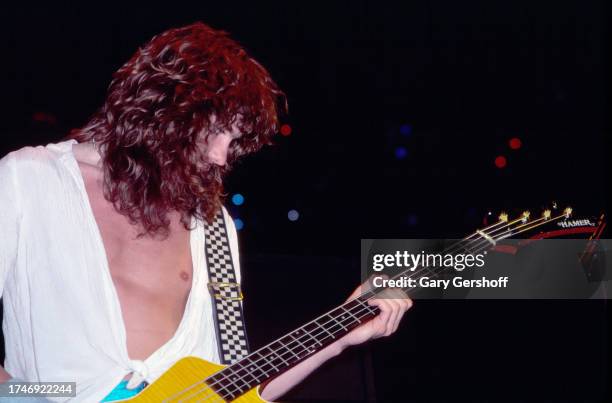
column 292, row 348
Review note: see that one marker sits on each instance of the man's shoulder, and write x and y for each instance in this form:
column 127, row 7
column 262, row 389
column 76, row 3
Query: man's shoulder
column 41, row 154
column 36, row 165
column 39, row 157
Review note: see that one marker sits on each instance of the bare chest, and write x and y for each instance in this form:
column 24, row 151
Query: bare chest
column 152, row 277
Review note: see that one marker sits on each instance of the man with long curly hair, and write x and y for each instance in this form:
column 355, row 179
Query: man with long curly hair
column 102, row 238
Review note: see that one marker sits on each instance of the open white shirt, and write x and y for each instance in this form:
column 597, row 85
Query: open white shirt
column 62, row 318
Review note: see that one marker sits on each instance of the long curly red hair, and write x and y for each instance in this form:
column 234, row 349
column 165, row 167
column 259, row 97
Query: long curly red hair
column 157, row 115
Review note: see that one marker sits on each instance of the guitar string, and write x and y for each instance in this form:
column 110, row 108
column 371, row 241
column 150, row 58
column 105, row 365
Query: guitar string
column 367, row 309
column 529, row 224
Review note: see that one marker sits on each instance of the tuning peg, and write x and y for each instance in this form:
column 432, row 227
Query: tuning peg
column 526, row 215
column 567, row 212
column 546, row 214
column 503, row 217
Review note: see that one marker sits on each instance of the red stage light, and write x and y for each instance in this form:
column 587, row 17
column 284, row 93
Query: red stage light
column 515, row 143
column 500, row 161
column 44, row 117
column 285, row 130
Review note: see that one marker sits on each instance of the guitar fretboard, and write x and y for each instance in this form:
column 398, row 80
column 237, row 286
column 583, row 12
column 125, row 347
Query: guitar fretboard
column 290, row 349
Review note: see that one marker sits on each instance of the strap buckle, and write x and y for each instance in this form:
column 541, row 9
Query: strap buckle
column 215, row 286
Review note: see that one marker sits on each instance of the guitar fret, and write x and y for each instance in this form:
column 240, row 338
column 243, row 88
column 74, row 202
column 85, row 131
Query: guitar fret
column 324, row 329
column 236, row 377
column 351, row 314
column 267, row 361
column 227, row 394
column 279, row 361
column 240, row 378
column 281, row 358
column 307, row 349
column 366, row 306
column 247, row 373
column 307, row 332
column 339, row 323
column 232, row 395
column 254, row 367
column 367, row 314
column 286, row 347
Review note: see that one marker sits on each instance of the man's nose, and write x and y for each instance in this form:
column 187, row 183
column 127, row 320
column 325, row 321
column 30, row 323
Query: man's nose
column 217, row 152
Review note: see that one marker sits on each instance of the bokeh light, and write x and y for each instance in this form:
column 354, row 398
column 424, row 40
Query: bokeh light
column 285, row 130
column 44, row 117
column 238, row 199
column 406, row 129
column 401, row 153
column 500, row 161
column 515, row 143
column 238, row 223
column 293, row 215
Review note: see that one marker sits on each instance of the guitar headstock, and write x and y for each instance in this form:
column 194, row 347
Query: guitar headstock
column 551, row 222
column 523, row 223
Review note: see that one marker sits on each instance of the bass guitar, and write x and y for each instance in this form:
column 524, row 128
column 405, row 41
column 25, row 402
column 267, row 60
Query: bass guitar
column 192, row 379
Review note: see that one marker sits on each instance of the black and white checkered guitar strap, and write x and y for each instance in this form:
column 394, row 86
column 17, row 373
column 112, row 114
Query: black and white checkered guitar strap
column 225, row 293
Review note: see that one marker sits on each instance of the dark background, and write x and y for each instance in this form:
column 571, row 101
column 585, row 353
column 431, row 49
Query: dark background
column 449, row 81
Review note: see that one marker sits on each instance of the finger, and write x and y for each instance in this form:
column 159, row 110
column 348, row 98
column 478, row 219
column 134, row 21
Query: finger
column 390, row 308
column 403, row 307
column 393, row 318
column 379, row 323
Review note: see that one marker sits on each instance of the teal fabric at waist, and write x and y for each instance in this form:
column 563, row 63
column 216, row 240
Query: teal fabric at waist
column 122, row 392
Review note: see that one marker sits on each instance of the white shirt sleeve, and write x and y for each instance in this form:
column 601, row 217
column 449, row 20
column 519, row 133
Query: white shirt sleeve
column 9, row 218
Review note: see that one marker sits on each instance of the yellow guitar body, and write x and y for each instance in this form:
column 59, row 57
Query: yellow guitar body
column 183, row 382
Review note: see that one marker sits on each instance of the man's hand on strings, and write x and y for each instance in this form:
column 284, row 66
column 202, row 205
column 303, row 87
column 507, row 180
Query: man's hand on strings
column 392, row 308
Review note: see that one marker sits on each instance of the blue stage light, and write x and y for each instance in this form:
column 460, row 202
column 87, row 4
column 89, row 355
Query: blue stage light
column 401, row 153
column 293, row 215
column 238, row 199
column 406, row 129
column 238, row 223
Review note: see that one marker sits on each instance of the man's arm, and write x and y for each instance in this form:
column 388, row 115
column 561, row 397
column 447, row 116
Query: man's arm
column 387, row 321
column 8, row 227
